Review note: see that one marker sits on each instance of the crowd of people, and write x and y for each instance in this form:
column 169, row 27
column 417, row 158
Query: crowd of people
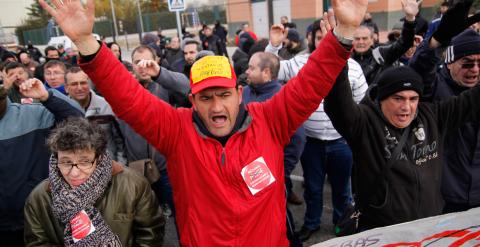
column 392, row 126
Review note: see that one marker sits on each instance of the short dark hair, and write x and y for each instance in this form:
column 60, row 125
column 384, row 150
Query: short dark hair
column 53, row 63
column 143, row 48
column 14, row 65
column 72, row 70
column 50, row 48
column 76, row 134
column 191, row 41
column 270, row 61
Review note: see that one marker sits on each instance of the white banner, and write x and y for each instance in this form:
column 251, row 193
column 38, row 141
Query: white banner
column 455, row 230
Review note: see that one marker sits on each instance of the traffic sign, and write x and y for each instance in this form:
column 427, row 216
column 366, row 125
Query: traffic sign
column 176, row 5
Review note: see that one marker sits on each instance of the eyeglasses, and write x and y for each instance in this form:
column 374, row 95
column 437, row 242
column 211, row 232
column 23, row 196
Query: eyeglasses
column 82, row 165
column 54, row 74
column 470, row 65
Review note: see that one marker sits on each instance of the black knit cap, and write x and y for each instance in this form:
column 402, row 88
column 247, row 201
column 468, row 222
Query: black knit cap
column 398, row 79
column 465, row 44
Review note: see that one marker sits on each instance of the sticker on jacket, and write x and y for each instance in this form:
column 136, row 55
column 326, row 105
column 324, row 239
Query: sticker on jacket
column 81, row 226
column 257, row 175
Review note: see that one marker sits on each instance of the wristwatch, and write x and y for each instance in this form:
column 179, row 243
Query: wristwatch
column 344, row 41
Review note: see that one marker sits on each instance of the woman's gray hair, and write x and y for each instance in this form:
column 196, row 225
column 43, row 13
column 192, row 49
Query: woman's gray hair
column 76, row 134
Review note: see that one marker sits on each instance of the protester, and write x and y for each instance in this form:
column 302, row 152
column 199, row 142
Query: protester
column 15, row 75
column 25, row 58
column 173, row 51
column 459, row 74
column 115, row 48
column 374, row 59
column 404, row 138
column 96, row 110
column 221, row 32
column 213, row 43
column 190, row 48
column 34, row 52
column 51, row 53
column 368, row 21
column 89, row 199
column 262, row 85
column 293, row 44
column 326, row 152
column 55, row 75
column 220, row 134
column 24, row 156
column 286, row 24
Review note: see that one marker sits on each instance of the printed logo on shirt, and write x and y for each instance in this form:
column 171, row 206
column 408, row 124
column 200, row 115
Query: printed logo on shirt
column 257, row 175
column 81, row 226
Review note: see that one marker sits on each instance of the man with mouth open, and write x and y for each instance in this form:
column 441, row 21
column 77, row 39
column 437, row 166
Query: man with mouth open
column 225, row 159
column 395, row 185
column 460, row 73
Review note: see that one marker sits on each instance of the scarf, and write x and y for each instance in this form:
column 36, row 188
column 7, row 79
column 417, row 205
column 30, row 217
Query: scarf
column 68, row 203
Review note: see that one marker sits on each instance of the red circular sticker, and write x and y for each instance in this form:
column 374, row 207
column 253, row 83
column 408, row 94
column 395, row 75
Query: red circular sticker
column 80, row 225
column 257, row 175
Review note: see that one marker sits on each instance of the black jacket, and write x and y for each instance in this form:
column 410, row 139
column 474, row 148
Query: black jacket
column 377, row 59
column 214, row 43
column 412, row 183
column 461, row 175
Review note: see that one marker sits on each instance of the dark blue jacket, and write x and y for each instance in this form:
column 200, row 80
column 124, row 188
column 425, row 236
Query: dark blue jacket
column 461, row 170
column 294, row 149
column 24, row 155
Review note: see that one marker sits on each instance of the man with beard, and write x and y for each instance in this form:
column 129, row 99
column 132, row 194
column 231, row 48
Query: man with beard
column 293, row 44
column 190, row 48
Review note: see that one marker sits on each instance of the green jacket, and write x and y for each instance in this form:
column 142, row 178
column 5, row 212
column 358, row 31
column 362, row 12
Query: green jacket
column 128, row 206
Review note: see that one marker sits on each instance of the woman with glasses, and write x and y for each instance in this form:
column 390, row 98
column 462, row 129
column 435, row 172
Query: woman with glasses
column 88, row 199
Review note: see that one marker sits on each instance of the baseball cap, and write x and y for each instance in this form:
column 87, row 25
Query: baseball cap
column 212, row 71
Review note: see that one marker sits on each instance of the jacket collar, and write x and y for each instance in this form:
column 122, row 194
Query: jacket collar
column 265, row 87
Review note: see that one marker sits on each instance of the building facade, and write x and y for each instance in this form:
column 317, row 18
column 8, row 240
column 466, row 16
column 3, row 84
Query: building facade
column 303, row 12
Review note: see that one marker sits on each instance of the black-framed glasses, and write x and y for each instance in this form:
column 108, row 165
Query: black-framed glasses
column 82, row 165
column 470, row 65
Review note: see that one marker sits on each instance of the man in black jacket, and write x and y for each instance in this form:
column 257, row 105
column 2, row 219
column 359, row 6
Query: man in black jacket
column 213, row 43
column 374, row 59
column 459, row 73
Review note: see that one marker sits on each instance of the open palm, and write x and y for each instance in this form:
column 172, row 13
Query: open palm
column 349, row 12
column 75, row 19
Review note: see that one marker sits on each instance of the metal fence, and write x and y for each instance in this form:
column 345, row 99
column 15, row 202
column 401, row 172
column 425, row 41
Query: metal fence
column 151, row 22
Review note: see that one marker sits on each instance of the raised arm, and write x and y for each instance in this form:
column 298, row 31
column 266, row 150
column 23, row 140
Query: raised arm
column 129, row 100
column 387, row 55
column 302, row 95
column 57, row 104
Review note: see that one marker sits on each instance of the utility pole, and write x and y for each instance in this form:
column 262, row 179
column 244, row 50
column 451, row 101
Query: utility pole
column 270, row 13
column 140, row 19
column 114, row 17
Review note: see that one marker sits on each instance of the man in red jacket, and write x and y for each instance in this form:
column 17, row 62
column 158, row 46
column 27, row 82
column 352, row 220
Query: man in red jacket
column 225, row 159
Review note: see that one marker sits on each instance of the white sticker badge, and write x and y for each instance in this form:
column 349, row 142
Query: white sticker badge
column 257, row 175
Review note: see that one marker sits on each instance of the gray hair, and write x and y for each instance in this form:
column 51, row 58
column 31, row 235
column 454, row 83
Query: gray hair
column 76, row 134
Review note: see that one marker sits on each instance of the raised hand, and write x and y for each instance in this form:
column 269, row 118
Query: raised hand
column 34, row 88
column 277, row 35
column 150, row 67
column 76, row 21
column 349, row 14
column 410, row 8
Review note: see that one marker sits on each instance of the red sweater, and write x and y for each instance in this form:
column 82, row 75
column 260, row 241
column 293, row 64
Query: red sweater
column 214, row 206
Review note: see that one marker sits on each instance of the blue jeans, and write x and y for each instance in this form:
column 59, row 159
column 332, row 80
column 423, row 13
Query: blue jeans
column 321, row 158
